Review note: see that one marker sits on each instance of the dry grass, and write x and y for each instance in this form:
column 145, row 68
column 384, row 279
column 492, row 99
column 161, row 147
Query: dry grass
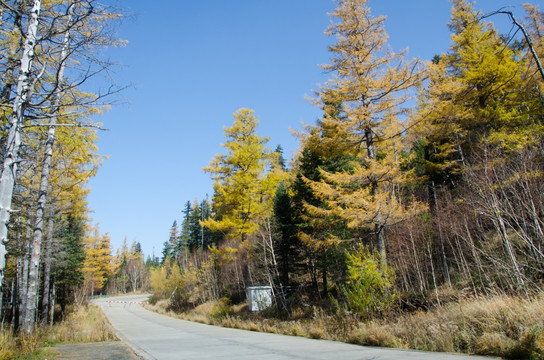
column 83, row 324
column 500, row 326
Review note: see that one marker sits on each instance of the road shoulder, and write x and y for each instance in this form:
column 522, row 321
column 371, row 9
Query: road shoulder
column 95, row 351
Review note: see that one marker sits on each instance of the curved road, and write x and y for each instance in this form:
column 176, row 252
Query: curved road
column 154, row 336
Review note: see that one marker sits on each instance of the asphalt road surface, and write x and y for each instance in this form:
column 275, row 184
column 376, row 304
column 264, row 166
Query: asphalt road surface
column 154, row 336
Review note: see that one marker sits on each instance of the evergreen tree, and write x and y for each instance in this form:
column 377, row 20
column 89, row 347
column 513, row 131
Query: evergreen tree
column 166, row 251
column 67, row 272
column 182, row 248
column 281, row 159
column 196, row 231
column 136, row 248
column 173, row 239
column 320, row 233
column 206, row 211
column 285, row 229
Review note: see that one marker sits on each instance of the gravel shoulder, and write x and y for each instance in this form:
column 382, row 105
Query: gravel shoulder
column 95, row 351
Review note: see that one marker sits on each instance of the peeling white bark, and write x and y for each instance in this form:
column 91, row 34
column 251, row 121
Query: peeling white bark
column 33, row 277
column 9, row 166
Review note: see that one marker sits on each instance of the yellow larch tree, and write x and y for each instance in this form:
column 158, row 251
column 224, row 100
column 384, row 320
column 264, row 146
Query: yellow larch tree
column 98, row 265
column 245, row 181
column 480, row 124
column 371, row 84
column 243, row 184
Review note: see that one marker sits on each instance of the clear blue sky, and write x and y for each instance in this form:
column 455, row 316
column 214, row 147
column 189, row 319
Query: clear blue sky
column 193, row 63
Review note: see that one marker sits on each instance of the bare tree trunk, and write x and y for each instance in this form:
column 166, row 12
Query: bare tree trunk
column 1, row 303
column 44, row 186
column 378, row 228
column 475, row 255
column 52, row 310
column 434, row 208
column 23, row 287
column 418, row 268
column 8, row 75
column 380, row 241
column 3, row 316
column 432, row 272
column 14, row 301
column 9, row 166
column 272, row 263
column 47, row 271
column 527, row 39
column 313, row 273
column 499, row 223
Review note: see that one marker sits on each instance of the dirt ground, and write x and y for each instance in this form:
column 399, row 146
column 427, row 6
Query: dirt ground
column 95, row 351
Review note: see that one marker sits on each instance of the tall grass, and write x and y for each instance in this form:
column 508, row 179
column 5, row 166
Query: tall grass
column 500, row 326
column 83, row 324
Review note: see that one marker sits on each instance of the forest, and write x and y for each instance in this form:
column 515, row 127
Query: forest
column 419, row 176
column 421, row 185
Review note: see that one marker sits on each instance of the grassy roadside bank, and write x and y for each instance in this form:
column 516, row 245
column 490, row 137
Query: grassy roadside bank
column 500, row 326
column 84, row 324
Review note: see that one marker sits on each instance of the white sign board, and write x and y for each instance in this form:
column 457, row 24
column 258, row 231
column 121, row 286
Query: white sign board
column 259, row 297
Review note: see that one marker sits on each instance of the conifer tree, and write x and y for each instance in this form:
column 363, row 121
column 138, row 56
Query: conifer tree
column 285, row 230
column 98, row 265
column 371, row 85
column 67, row 273
column 166, row 252
column 173, row 238
column 184, row 238
column 208, row 237
column 196, row 231
column 245, row 180
column 242, row 184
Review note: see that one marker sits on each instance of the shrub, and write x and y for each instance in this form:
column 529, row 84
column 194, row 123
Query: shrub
column 369, row 288
column 496, row 344
column 530, row 346
column 222, row 309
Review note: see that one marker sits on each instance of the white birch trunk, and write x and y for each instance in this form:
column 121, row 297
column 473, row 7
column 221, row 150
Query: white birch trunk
column 23, row 287
column 9, row 166
column 47, row 271
column 33, row 279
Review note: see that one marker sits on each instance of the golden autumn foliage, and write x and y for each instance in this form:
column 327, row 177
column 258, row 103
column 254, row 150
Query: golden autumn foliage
column 98, row 265
column 370, row 86
column 426, row 213
column 245, row 181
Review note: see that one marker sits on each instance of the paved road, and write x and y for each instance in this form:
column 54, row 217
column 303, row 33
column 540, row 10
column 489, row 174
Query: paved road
column 154, row 336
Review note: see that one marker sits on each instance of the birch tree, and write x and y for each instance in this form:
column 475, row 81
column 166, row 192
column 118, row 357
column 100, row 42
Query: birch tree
column 67, row 34
column 32, row 292
column 11, row 153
